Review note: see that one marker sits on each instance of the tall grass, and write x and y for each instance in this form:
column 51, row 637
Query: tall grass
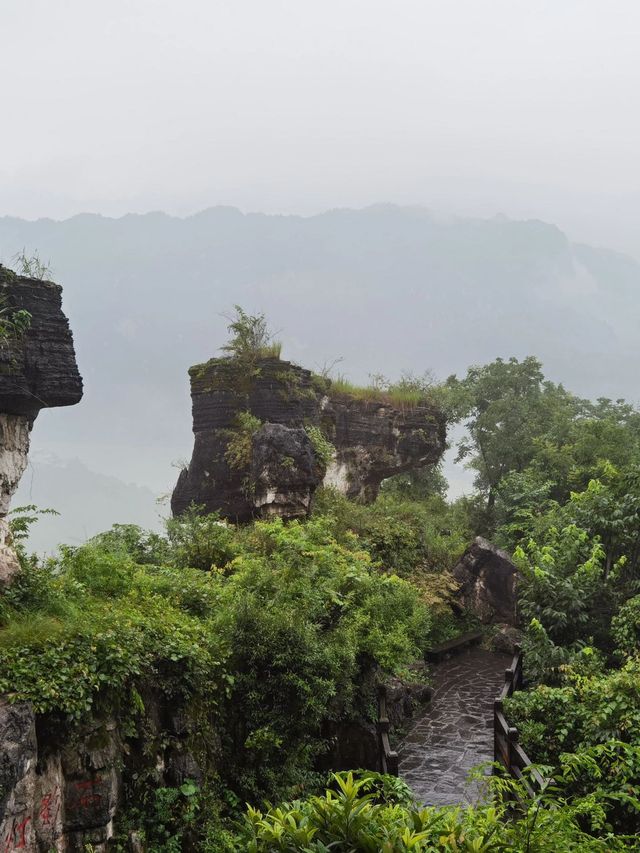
column 271, row 350
column 400, row 395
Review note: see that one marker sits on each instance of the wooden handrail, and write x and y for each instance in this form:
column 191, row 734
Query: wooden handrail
column 436, row 653
column 506, row 747
column 388, row 756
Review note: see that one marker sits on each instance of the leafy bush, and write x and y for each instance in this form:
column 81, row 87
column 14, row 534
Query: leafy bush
column 585, row 711
column 350, row 819
column 564, row 586
column 239, row 447
column 250, row 337
column 286, row 638
column 95, row 624
column 404, row 536
column 625, row 627
column 306, row 618
column 322, row 447
column 200, row 541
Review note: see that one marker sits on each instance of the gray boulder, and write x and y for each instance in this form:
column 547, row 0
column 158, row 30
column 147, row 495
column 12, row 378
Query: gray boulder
column 488, row 581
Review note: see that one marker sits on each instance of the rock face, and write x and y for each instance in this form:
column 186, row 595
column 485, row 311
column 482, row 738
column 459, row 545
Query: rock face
column 61, row 785
column 488, row 582
column 55, row 797
column 37, row 370
column 269, row 433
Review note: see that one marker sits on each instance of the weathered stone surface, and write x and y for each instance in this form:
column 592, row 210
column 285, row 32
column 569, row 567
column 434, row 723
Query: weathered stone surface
column 372, row 440
column 284, row 471
column 506, row 639
column 91, row 784
column 14, row 450
column 56, row 795
column 9, row 564
column 14, row 453
column 406, row 698
column 37, row 370
column 488, row 581
column 17, row 775
column 61, row 785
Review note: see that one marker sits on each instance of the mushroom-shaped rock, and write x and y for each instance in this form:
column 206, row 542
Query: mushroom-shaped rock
column 37, row 370
column 269, row 432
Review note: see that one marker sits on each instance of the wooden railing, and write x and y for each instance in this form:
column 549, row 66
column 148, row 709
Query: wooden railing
column 437, row 653
column 388, row 757
column 506, row 747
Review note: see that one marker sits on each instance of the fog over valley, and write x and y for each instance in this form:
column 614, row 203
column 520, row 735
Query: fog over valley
column 385, row 289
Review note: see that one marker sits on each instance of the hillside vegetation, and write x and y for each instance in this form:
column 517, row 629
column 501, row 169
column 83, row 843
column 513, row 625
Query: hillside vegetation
column 268, row 634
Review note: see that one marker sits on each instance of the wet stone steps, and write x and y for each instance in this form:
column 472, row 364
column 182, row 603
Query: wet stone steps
column 456, row 732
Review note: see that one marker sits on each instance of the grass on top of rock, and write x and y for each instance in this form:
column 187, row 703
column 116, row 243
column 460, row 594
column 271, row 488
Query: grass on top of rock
column 408, row 392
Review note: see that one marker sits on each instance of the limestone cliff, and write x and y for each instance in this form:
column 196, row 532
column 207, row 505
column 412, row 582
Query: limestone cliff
column 37, row 370
column 268, row 433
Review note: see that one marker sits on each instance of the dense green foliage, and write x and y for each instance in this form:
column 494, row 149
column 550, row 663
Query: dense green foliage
column 271, row 633
column 558, row 483
column 358, row 815
column 268, row 632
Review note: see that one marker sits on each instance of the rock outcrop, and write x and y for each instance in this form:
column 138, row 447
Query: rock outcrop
column 37, row 370
column 488, row 581
column 267, row 434
column 61, row 785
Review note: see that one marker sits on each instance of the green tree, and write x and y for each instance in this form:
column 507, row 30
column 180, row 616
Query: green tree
column 506, row 407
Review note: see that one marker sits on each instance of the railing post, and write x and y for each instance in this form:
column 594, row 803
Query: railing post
column 381, row 712
column 388, row 758
column 512, row 738
column 508, row 679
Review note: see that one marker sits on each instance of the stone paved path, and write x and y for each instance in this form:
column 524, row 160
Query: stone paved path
column 456, row 732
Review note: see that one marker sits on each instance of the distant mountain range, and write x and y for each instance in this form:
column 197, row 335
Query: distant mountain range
column 86, row 502
column 386, row 289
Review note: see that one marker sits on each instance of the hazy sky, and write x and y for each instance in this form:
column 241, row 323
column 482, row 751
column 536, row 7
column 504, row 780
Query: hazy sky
column 527, row 107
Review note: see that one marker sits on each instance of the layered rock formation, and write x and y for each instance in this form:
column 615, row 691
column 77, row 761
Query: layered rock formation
column 269, row 432
column 37, row 370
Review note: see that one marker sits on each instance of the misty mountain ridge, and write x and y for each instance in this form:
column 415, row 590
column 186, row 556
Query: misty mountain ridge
column 385, row 288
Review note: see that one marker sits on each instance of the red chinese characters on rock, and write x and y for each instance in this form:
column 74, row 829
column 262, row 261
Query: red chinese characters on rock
column 16, row 837
column 50, row 807
column 87, row 794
